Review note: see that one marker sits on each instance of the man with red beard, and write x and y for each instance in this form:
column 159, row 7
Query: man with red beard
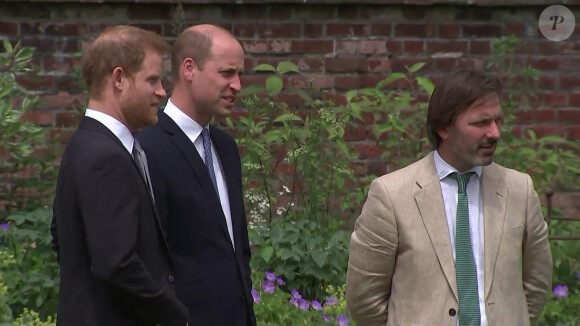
column 452, row 239
column 196, row 175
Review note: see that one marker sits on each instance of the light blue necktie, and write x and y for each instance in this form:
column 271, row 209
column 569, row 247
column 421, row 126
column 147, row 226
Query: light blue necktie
column 208, row 158
column 465, row 270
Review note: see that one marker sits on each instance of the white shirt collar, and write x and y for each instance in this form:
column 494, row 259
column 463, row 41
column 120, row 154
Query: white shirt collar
column 116, row 127
column 444, row 169
column 189, row 126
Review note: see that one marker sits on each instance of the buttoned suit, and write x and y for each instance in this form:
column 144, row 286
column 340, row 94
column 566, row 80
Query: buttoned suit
column 212, row 279
column 114, row 261
column 401, row 269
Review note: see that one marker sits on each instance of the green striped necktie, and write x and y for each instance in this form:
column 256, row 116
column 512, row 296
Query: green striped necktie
column 464, row 263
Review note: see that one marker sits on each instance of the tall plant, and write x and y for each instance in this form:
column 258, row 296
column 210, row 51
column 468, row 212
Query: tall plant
column 299, row 183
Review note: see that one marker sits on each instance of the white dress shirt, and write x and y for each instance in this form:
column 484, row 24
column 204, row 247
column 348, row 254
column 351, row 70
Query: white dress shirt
column 116, row 127
column 475, row 202
column 193, row 131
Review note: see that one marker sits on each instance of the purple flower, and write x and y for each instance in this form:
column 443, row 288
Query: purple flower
column 316, row 305
column 341, row 320
column 325, row 317
column 303, row 304
column 280, row 281
column 578, row 274
column 560, row 291
column 294, row 301
column 331, row 301
column 255, row 296
column 270, row 276
column 268, row 286
column 296, row 294
column 5, row 226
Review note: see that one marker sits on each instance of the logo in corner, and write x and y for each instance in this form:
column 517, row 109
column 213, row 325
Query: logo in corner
column 557, row 23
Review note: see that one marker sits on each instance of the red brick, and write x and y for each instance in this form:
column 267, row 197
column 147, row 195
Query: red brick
column 9, row 28
column 248, row 63
column 448, row 31
column 573, row 132
column 312, row 11
column 368, row 150
column 547, row 82
column 41, row 45
column 356, row 133
column 237, row 13
column 69, row 82
column 347, row 11
column 544, row 115
column 278, row 30
column 312, row 46
column 398, row 63
column 279, row 46
column 410, row 30
column 413, row 47
column 253, row 79
column 569, row 116
column 414, row 13
column 255, row 46
column 346, row 82
column 67, row 119
column 575, row 99
column 151, row 12
column 244, row 29
column 63, row 100
column 446, row 46
column 544, row 64
column 292, row 99
column 524, row 116
column 480, row 47
column 484, row 30
column 311, row 81
column 36, row 82
column 369, row 80
column 346, row 64
column 394, row 46
column 39, row 117
column 379, row 64
column 280, row 12
column 569, row 81
column 311, row 64
column 313, row 30
column 347, row 29
column 542, row 131
column 372, row 47
column 445, row 64
column 347, row 47
column 60, row 63
column 518, row 29
column 378, row 29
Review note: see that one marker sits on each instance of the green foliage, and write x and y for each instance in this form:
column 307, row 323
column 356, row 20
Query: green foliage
column 28, row 266
column 26, row 176
column 275, row 306
column 298, row 183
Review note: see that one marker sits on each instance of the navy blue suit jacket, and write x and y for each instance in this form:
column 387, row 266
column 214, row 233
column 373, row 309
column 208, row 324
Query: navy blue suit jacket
column 212, row 280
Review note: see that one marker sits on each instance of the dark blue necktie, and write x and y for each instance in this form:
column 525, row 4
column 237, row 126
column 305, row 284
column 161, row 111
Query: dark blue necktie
column 208, row 158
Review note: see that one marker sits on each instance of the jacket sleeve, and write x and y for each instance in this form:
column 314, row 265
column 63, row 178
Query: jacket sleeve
column 373, row 249
column 110, row 201
column 537, row 257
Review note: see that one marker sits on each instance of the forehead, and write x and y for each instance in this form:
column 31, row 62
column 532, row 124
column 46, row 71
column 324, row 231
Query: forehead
column 488, row 106
column 226, row 52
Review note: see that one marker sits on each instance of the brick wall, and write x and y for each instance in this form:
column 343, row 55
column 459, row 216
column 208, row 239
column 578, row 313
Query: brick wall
column 339, row 45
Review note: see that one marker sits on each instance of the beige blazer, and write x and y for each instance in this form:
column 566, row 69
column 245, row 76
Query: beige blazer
column 401, row 269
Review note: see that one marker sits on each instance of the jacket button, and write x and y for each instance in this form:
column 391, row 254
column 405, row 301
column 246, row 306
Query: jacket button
column 452, row 312
column 170, row 278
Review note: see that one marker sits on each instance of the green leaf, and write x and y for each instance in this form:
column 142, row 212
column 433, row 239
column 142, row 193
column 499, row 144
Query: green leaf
column 426, row 84
column 266, row 253
column 252, row 89
column 24, row 54
column 7, row 46
column 285, row 67
column 319, row 258
column 265, row 67
column 274, row 85
column 415, row 67
column 391, row 78
column 287, row 117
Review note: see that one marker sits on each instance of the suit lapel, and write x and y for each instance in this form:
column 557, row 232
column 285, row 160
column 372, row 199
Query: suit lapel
column 429, row 200
column 186, row 147
column 494, row 201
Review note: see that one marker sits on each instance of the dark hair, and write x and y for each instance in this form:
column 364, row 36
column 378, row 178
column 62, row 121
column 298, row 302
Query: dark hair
column 190, row 44
column 454, row 93
column 120, row 46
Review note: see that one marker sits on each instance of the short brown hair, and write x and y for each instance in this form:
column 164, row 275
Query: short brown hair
column 194, row 44
column 454, row 93
column 119, row 46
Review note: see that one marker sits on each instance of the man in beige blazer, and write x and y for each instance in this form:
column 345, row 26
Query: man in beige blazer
column 402, row 269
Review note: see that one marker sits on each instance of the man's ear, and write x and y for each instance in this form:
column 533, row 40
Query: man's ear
column 118, row 76
column 188, row 67
column 443, row 132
